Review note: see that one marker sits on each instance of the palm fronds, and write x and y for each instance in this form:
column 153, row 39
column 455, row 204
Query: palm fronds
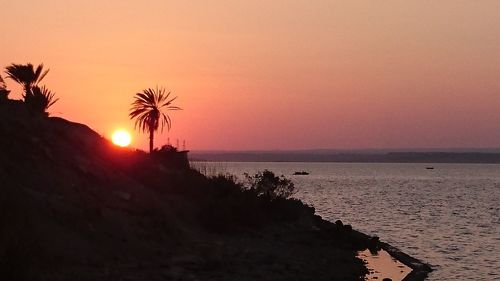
column 40, row 99
column 148, row 110
column 26, row 75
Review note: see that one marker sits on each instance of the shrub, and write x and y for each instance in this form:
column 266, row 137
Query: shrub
column 288, row 210
column 167, row 148
column 170, row 157
column 227, row 207
column 39, row 99
column 267, row 184
column 226, row 182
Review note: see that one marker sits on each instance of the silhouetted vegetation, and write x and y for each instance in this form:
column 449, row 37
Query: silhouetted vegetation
column 38, row 99
column 170, row 157
column 147, row 109
column 166, row 149
column 26, row 75
column 267, row 184
column 227, row 205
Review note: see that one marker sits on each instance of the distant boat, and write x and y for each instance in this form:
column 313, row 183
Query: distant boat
column 302, row 173
column 429, row 168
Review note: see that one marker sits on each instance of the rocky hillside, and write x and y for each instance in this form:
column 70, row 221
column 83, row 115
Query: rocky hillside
column 75, row 207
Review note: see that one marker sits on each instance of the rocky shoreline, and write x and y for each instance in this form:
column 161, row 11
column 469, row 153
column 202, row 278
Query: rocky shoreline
column 420, row 270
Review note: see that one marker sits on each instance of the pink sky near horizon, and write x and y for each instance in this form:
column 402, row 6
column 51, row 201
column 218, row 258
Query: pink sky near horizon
column 254, row 75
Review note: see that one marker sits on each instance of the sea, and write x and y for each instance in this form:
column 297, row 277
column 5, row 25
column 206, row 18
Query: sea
column 447, row 215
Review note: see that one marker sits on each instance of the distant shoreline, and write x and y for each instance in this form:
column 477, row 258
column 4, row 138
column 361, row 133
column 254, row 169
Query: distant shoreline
column 325, row 157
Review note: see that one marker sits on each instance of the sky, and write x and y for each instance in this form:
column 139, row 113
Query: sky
column 262, row 75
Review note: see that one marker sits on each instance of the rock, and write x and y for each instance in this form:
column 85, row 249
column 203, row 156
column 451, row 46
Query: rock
column 373, row 244
column 339, row 224
column 347, row 228
column 123, row 195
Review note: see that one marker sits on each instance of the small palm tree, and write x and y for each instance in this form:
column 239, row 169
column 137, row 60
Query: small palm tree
column 40, row 99
column 26, row 75
column 147, row 110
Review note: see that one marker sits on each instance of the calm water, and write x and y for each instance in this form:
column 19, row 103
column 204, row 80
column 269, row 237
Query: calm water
column 448, row 216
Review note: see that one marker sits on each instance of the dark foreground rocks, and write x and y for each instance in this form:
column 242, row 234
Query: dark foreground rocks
column 74, row 207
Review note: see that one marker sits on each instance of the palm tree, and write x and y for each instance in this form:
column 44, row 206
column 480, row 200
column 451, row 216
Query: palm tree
column 26, row 75
column 40, row 99
column 147, row 110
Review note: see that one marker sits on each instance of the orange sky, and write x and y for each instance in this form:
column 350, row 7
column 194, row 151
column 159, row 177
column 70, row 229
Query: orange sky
column 272, row 74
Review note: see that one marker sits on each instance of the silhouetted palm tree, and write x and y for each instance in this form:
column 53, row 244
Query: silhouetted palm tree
column 40, row 99
column 26, row 75
column 4, row 93
column 147, row 110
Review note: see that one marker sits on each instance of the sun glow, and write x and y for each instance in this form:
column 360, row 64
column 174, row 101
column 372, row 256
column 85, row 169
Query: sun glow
column 121, row 138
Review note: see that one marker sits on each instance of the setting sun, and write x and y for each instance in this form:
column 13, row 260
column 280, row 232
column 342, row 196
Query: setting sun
column 121, row 138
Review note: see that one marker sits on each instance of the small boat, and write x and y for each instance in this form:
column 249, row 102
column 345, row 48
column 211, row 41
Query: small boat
column 429, row 168
column 302, row 173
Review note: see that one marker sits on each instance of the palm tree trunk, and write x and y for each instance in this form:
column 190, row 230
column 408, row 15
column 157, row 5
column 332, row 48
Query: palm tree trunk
column 151, row 138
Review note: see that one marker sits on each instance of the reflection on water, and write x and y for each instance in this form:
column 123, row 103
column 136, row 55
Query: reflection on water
column 448, row 216
column 382, row 265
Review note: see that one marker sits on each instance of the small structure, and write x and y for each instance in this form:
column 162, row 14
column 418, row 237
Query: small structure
column 170, row 157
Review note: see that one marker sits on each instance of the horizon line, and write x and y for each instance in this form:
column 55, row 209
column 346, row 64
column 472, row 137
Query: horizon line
column 421, row 150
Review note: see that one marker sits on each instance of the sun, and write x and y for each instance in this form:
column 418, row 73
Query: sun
column 121, row 138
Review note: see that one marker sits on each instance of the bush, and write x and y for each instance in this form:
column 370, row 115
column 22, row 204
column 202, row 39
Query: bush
column 288, row 210
column 227, row 207
column 170, row 157
column 167, row 148
column 267, row 184
column 39, row 99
